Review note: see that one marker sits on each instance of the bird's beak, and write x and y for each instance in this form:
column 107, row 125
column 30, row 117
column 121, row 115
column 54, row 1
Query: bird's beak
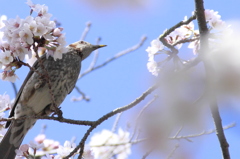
column 99, row 46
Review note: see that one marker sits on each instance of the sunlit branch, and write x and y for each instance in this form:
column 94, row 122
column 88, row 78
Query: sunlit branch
column 86, row 30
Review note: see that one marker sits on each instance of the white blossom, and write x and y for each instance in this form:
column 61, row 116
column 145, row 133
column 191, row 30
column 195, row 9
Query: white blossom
column 153, row 67
column 175, row 36
column 20, row 34
column 23, row 149
column 57, row 32
column 5, row 102
column 50, row 144
column 156, row 46
column 6, row 57
column 26, row 35
column 35, row 145
column 40, row 30
column 65, row 150
column 107, row 144
column 214, row 19
column 8, row 76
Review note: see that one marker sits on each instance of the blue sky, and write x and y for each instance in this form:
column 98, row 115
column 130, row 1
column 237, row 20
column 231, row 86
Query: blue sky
column 120, row 82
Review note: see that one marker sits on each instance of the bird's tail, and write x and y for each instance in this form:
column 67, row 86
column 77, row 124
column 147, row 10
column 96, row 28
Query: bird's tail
column 14, row 137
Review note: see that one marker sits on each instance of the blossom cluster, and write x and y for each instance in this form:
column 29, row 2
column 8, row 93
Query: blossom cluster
column 176, row 38
column 24, row 37
column 105, row 144
column 108, row 144
column 41, row 146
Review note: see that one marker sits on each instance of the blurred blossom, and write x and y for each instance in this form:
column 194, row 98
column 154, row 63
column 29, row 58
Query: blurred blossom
column 8, row 76
column 2, row 18
column 65, row 150
column 108, row 144
column 50, row 144
column 88, row 153
column 22, row 151
column 195, row 46
column 40, row 138
column 35, row 145
column 186, row 33
column 5, row 102
column 224, row 57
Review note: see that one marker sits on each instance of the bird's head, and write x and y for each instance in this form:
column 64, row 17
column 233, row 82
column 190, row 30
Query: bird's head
column 84, row 48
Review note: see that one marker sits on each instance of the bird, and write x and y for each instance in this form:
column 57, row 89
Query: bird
column 34, row 96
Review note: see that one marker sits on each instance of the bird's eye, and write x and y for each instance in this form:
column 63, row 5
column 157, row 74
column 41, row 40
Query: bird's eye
column 81, row 42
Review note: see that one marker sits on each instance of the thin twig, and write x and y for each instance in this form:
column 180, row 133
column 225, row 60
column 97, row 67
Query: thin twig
column 86, row 30
column 116, row 122
column 140, row 114
column 173, row 151
column 120, row 54
column 179, row 130
column 83, row 95
column 14, row 88
column 121, row 143
column 202, row 133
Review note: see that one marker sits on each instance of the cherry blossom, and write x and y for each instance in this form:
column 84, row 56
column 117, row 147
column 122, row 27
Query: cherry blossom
column 8, row 76
column 214, row 19
column 107, row 144
column 21, row 37
column 22, row 151
column 153, row 67
column 65, row 150
column 5, row 102
column 156, row 46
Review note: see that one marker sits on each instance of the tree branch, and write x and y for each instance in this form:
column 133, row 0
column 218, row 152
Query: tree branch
column 204, row 49
column 108, row 115
column 62, row 120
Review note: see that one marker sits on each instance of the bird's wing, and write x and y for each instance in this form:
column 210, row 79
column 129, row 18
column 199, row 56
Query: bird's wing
column 21, row 89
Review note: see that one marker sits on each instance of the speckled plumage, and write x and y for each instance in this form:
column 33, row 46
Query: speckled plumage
column 34, row 97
